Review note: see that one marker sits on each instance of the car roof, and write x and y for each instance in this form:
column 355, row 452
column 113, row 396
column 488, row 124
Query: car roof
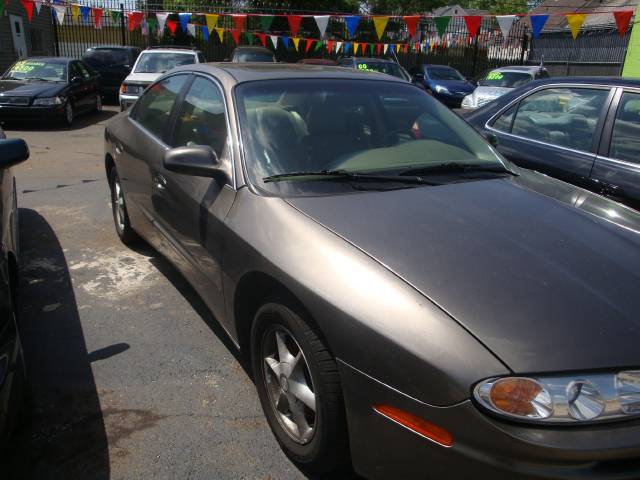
column 613, row 81
column 113, row 47
column 52, row 59
column 518, row 68
column 432, row 65
column 256, row 48
column 371, row 59
column 250, row 71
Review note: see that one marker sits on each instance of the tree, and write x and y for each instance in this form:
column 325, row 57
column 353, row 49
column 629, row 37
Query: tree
column 497, row 6
column 401, row 7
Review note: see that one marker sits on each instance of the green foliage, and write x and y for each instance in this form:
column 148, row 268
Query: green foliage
column 402, row 7
column 497, row 7
column 346, row 6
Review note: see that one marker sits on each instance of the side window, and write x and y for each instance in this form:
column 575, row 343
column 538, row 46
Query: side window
column 202, row 119
column 153, row 109
column 74, row 71
column 566, row 117
column 83, row 70
column 503, row 122
column 625, row 137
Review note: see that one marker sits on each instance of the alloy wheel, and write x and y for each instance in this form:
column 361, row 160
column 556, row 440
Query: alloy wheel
column 118, row 198
column 289, row 385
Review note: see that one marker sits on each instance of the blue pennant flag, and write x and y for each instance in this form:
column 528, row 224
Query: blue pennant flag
column 205, row 32
column 347, row 45
column 537, row 24
column 352, row 22
column 85, row 11
column 285, row 41
column 184, row 20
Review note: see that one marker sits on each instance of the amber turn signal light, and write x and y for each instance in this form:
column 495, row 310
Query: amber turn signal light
column 416, row 424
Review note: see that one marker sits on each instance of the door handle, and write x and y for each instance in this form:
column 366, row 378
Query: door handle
column 118, row 150
column 160, row 183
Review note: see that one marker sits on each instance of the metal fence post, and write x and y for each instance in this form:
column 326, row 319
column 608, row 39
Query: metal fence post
column 122, row 28
column 475, row 57
column 524, row 47
column 56, row 41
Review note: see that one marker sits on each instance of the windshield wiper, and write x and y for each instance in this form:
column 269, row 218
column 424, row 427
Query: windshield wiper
column 344, row 174
column 455, row 167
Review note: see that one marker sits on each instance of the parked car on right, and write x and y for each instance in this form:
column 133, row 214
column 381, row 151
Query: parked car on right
column 585, row 131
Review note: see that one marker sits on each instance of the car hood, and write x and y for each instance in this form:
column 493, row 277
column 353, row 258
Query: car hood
column 545, row 286
column 483, row 95
column 455, row 85
column 30, row 89
column 142, row 77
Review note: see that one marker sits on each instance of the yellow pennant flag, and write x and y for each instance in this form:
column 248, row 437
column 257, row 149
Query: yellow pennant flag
column 220, row 32
column 296, row 41
column 75, row 12
column 212, row 21
column 380, row 24
column 355, row 47
column 575, row 21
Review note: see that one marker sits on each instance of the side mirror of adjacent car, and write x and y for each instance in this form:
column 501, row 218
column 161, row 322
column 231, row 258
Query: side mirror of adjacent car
column 12, row 152
column 472, row 81
column 196, row 160
column 76, row 80
column 492, row 138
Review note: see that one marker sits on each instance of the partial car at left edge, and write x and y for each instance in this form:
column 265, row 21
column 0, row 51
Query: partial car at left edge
column 413, row 304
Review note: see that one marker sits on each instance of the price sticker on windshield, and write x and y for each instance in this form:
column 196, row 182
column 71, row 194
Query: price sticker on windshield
column 25, row 66
column 495, row 76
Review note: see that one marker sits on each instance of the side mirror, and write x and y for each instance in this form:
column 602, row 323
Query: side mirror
column 76, row 80
column 472, row 81
column 197, row 160
column 492, row 139
column 12, row 152
column 418, row 76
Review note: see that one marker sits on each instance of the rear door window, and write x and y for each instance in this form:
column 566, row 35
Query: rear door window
column 625, row 137
column 153, row 109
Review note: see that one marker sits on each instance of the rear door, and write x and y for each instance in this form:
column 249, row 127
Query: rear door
column 91, row 84
column 616, row 173
column 554, row 130
column 77, row 86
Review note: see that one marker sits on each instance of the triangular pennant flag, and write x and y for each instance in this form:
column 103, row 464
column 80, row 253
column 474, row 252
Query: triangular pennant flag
column 135, row 19
column 378, row 48
column 405, row 48
column 412, row 24
column 152, row 22
column 575, row 21
column 355, row 48
column 28, row 6
column 473, row 24
column 75, row 12
column 386, row 48
column 205, row 32
column 172, row 25
column 347, row 46
column 322, row 21
column 623, row 18
column 115, row 16
column 505, row 22
column 352, row 22
column 265, row 23
column 537, row 24
column 162, row 19
column 274, row 40
column 249, row 37
column 38, row 4
column 191, row 29
column 97, row 17
column 184, row 18
column 338, row 46
column 380, row 23
column 59, row 13
column 235, row 33
column 296, row 42
column 308, row 46
column 144, row 27
column 263, row 39
column 220, row 32
column 441, row 24
column 212, row 21
column 330, row 46
column 294, row 23
column 238, row 21
column 318, row 46
column 285, row 41
column 85, row 12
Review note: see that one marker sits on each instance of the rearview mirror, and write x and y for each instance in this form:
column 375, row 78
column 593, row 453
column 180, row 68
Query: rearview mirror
column 196, row 160
column 12, row 152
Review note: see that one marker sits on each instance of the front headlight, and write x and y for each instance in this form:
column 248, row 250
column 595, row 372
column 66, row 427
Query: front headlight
column 441, row 89
column 47, row 101
column 562, row 399
column 467, row 102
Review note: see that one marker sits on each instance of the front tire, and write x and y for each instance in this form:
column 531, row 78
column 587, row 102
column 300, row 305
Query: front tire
column 69, row 114
column 119, row 210
column 299, row 388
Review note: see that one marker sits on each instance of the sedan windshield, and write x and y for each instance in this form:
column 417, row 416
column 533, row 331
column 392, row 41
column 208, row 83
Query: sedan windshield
column 160, row 62
column 505, row 79
column 37, row 69
column 444, row 73
column 311, row 131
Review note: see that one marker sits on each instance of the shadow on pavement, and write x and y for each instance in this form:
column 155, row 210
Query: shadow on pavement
column 56, row 124
column 65, row 437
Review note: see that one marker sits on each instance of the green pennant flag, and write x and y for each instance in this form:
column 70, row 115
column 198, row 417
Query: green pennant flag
column 152, row 22
column 318, row 46
column 265, row 22
column 249, row 37
column 115, row 15
column 441, row 24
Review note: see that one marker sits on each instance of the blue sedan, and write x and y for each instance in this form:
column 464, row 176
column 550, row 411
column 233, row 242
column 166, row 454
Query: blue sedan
column 443, row 82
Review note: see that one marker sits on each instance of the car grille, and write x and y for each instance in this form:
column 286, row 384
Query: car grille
column 14, row 100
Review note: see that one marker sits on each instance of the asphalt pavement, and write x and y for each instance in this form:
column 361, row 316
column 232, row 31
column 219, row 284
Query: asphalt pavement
column 130, row 375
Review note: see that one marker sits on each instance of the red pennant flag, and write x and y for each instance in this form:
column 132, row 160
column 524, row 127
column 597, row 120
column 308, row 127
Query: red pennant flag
column 412, row 24
column 135, row 19
column 97, row 17
column 28, row 6
column 364, row 48
column 622, row 20
column 294, row 23
column 172, row 24
column 473, row 24
column 416, row 46
column 263, row 39
column 308, row 47
column 330, row 45
column 238, row 21
column 405, row 48
column 378, row 48
column 235, row 33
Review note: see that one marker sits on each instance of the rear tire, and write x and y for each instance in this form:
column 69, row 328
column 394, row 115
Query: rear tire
column 316, row 440
column 119, row 210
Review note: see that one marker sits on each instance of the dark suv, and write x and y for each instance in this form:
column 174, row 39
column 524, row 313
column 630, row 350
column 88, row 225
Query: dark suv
column 113, row 63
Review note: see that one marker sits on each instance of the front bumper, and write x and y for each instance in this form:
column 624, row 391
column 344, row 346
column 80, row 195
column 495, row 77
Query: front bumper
column 126, row 100
column 450, row 99
column 483, row 447
column 12, row 113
